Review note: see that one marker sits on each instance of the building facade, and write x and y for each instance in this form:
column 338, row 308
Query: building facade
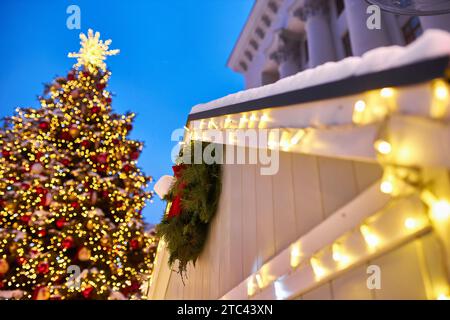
column 284, row 37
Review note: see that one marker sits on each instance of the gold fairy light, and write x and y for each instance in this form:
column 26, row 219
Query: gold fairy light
column 93, row 51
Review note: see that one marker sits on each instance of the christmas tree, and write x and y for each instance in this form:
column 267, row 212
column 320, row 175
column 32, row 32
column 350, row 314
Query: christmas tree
column 71, row 193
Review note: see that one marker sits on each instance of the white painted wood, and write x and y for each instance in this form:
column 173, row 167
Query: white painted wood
column 352, row 285
column 308, row 201
column 283, row 202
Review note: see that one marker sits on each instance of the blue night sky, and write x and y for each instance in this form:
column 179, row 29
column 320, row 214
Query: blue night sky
column 173, row 56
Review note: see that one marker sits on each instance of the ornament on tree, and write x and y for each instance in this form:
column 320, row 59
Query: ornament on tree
column 74, row 131
column 84, row 254
column 71, row 76
column 44, row 125
column 36, row 168
column 75, row 94
column 95, row 109
column 87, row 292
column 42, row 267
column 135, row 244
column 42, row 233
column 41, row 293
column 90, row 225
column 4, row 266
column 68, row 242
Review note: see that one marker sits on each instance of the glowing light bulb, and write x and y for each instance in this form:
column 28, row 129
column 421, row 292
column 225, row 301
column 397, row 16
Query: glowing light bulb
column 360, row 106
column 387, row 92
column 251, row 287
column 338, row 254
column 441, row 91
column 295, row 256
column 297, row 137
column 227, row 122
column 259, row 280
column 319, row 271
column 387, row 187
column 371, row 239
column 440, row 210
column 410, row 223
column 253, row 118
column 383, row 147
column 443, row 296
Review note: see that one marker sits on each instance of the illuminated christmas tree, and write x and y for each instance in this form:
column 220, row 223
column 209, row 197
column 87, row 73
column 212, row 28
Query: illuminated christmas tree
column 71, row 193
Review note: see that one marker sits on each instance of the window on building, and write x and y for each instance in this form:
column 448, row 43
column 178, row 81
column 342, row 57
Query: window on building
column 412, row 30
column 340, row 6
column 347, row 44
column 306, row 51
column 270, row 76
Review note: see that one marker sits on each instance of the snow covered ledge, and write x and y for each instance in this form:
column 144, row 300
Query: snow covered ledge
column 433, row 44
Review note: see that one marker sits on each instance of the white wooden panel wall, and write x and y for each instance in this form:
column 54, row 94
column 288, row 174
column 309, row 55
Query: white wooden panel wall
column 415, row 270
column 259, row 216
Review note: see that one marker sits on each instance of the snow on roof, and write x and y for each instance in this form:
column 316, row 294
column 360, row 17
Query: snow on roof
column 433, row 44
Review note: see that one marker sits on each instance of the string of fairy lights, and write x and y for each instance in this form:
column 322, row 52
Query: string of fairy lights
column 59, row 164
column 399, row 181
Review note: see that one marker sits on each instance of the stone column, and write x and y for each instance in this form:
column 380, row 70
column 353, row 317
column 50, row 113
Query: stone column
column 436, row 22
column 362, row 38
column 315, row 15
column 287, row 55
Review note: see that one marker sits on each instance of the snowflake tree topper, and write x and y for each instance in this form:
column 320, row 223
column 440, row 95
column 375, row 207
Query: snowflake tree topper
column 93, row 52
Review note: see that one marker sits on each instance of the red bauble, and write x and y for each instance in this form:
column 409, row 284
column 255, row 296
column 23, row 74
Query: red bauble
column 42, row 267
column 68, row 242
column 102, row 158
column 70, row 76
column 6, row 153
column 115, row 141
column 65, row 162
column 44, row 125
column 25, row 186
column 39, row 155
column 105, row 194
column 108, row 100
column 26, row 218
column 129, row 127
column 85, row 143
column 42, row 233
column 127, row 168
column 65, row 135
column 100, row 86
column 75, row 205
column 60, row 223
column 95, row 109
column 134, row 244
column 88, row 292
column 134, row 155
column 86, row 74
column 41, row 191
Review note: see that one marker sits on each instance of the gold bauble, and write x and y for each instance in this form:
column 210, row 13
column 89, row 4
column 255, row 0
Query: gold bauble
column 90, row 225
column 13, row 247
column 43, row 294
column 74, row 132
column 4, row 266
column 84, row 254
column 104, row 240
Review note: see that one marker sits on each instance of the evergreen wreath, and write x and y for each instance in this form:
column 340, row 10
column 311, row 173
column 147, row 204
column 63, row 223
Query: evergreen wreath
column 193, row 198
